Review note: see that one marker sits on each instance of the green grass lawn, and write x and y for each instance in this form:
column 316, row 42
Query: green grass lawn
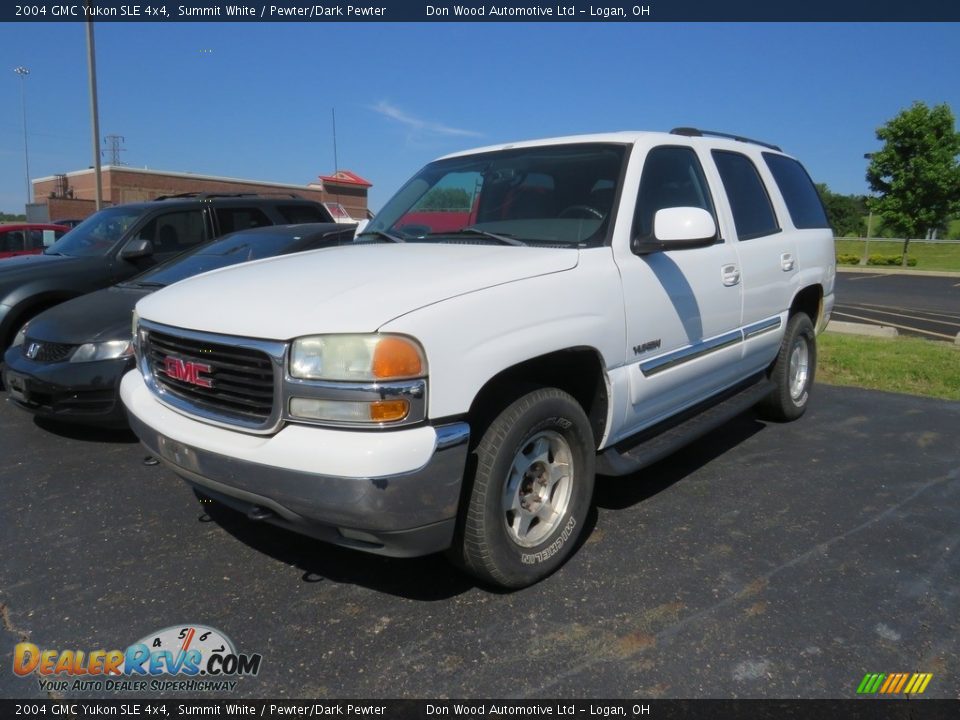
column 930, row 256
column 904, row 365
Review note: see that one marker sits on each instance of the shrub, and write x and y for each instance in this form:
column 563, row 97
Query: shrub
column 895, row 260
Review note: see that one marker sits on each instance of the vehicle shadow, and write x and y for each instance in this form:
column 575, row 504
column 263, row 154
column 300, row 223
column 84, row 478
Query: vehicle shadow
column 617, row 493
column 429, row 578
column 433, row 577
column 86, row 433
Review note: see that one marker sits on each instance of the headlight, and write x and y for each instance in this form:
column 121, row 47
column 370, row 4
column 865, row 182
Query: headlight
column 357, row 358
column 21, row 336
column 110, row 350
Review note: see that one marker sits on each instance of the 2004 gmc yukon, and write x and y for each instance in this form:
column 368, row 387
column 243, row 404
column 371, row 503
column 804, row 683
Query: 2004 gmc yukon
column 455, row 378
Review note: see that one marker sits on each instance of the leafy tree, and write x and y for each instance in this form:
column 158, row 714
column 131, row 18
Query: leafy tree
column 845, row 212
column 916, row 173
column 6, row 217
column 445, row 199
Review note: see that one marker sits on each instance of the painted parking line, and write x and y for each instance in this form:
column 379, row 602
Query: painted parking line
column 868, row 277
column 953, row 322
column 871, row 306
column 875, row 321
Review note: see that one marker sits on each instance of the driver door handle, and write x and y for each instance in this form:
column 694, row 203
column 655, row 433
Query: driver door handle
column 730, row 275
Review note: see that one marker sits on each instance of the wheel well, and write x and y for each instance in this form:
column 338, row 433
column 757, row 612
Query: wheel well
column 577, row 371
column 808, row 301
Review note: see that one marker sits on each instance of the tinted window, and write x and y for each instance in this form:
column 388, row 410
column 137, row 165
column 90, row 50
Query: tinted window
column 803, row 202
column 672, row 177
column 174, row 232
column 11, row 241
column 296, row 214
column 752, row 212
column 240, row 218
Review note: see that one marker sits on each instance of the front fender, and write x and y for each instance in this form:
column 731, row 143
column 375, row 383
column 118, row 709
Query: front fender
column 471, row 338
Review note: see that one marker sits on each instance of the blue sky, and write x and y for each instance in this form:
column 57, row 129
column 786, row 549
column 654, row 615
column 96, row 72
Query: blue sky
column 254, row 100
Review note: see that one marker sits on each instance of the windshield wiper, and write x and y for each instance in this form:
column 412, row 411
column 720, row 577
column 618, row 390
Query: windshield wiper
column 149, row 284
column 505, row 239
column 383, row 234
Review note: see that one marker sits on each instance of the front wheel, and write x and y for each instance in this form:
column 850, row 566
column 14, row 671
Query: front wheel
column 793, row 371
column 531, row 490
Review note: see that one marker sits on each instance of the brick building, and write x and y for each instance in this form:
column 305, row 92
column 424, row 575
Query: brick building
column 73, row 194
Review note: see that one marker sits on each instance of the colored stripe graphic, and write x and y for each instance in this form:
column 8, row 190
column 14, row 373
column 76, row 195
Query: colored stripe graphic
column 894, row 683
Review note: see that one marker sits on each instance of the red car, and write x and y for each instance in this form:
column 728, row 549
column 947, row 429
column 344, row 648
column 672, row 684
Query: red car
column 28, row 238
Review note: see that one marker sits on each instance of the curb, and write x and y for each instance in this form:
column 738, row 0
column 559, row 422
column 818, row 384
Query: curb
column 851, row 328
column 895, row 271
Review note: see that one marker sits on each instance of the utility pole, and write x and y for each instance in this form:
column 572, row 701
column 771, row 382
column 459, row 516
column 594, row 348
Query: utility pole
column 94, row 113
column 23, row 72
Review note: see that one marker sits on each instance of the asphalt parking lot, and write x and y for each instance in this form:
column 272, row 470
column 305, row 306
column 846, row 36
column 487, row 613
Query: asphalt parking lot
column 922, row 306
column 764, row 561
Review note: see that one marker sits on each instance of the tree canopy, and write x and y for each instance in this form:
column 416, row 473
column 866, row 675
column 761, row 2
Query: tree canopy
column 916, row 174
column 845, row 212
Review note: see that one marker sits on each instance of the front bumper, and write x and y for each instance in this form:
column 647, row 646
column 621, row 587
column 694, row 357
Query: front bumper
column 388, row 492
column 87, row 393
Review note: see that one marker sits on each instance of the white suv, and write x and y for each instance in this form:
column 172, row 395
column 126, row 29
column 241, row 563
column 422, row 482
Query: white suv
column 516, row 319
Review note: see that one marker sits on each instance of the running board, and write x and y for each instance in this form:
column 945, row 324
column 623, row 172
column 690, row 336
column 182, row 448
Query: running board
column 655, row 443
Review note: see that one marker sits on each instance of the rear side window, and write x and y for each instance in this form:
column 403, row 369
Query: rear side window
column 803, row 202
column 296, row 214
column 232, row 219
column 753, row 214
column 672, row 177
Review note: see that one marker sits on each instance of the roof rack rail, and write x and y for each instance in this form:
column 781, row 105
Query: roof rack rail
column 696, row 132
column 209, row 195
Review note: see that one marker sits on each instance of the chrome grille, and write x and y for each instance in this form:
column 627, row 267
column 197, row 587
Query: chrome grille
column 241, row 379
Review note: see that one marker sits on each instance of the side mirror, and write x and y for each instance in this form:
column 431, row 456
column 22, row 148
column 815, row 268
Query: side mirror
column 679, row 228
column 137, row 248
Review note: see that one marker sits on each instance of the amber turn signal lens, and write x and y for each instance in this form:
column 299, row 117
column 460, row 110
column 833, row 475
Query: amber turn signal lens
column 396, row 357
column 389, row 410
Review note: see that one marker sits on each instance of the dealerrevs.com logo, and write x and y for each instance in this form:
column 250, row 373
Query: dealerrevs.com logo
column 187, row 657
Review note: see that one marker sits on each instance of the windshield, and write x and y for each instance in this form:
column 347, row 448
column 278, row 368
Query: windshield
column 97, row 234
column 560, row 195
column 229, row 250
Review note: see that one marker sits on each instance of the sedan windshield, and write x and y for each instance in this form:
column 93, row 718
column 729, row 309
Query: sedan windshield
column 561, row 195
column 97, row 234
column 229, row 250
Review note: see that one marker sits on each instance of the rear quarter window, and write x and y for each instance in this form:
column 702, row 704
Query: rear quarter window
column 753, row 214
column 799, row 193
column 296, row 214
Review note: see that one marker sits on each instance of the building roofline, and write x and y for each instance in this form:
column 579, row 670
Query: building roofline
column 167, row 173
column 348, row 178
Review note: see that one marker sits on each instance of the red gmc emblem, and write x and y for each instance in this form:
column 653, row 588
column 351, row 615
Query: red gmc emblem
column 187, row 371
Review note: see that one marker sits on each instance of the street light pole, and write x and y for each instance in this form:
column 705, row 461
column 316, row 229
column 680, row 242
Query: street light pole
column 23, row 72
column 866, row 245
column 94, row 113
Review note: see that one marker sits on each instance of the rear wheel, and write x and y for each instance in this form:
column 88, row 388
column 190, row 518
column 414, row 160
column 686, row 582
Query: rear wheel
column 530, row 492
column 793, row 371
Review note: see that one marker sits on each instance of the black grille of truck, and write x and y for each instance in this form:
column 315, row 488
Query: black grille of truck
column 240, row 379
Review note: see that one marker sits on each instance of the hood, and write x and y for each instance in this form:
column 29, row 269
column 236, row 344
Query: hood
column 97, row 317
column 29, row 266
column 354, row 288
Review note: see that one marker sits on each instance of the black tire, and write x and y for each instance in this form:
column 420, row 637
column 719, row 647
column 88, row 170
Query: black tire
column 544, row 431
column 792, row 372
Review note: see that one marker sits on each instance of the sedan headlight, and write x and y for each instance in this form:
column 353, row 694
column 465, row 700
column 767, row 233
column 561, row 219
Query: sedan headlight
column 21, row 336
column 357, row 358
column 110, row 350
